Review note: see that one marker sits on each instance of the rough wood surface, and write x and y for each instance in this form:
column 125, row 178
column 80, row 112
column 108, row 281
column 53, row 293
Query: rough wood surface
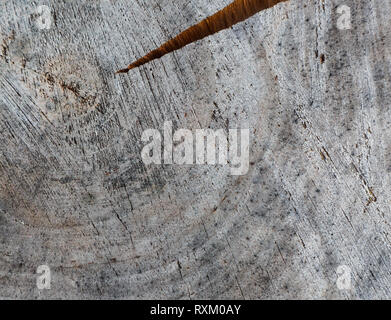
column 75, row 195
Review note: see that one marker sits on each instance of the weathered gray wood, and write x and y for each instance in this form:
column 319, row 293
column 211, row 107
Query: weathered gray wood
column 75, row 195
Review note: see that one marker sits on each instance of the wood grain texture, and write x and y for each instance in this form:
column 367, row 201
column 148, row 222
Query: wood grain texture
column 75, row 195
column 235, row 12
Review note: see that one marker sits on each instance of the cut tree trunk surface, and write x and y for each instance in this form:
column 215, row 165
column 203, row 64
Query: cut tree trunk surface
column 76, row 196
